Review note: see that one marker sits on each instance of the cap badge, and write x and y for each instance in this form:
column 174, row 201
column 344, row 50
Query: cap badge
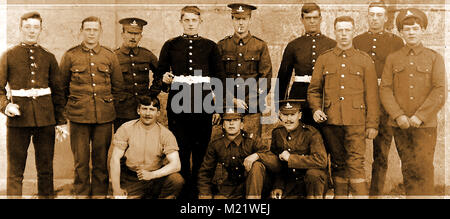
column 408, row 13
column 134, row 23
column 230, row 110
column 240, row 10
column 288, row 106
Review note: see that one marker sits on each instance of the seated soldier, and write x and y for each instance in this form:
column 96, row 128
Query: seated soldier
column 151, row 152
column 235, row 165
column 302, row 154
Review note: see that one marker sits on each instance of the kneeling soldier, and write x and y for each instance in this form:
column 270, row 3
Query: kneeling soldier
column 302, row 154
column 235, row 164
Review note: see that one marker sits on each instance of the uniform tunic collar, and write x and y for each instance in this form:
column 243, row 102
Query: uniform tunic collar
column 96, row 49
column 237, row 140
column 412, row 50
column 349, row 52
column 127, row 50
column 379, row 33
column 245, row 40
column 190, row 37
column 313, row 34
column 28, row 45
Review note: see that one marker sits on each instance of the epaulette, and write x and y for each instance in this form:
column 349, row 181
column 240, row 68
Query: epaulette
column 226, row 38
column 73, row 48
column 257, row 38
column 45, row 49
column 107, row 48
column 246, row 135
column 117, row 49
column 327, row 51
column 309, row 127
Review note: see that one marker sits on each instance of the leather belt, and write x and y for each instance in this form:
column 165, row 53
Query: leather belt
column 33, row 92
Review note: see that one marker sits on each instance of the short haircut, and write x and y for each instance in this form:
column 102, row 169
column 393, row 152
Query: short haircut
column 91, row 19
column 149, row 101
column 344, row 19
column 190, row 9
column 310, row 7
column 33, row 15
column 411, row 21
column 379, row 3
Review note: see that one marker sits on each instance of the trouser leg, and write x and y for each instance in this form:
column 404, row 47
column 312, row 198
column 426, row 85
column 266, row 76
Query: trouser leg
column 172, row 186
column 80, row 136
column 17, row 143
column 44, row 146
column 315, row 180
column 101, row 141
column 255, row 181
column 356, row 147
column 381, row 147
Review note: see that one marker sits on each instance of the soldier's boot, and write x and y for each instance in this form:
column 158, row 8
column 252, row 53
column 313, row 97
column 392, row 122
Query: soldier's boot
column 341, row 189
column 359, row 188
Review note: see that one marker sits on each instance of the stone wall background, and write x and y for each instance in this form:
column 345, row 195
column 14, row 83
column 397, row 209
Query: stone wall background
column 276, row 21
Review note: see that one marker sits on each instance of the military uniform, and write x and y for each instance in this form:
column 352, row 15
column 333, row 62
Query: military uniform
column 91, row 79
column 300, row 56
column 344, row 87
column 182, row 55
column 245, row 58
column 136, row 64
column 32, row 73
column 379, row 46
column 223, row 175
column 414, row 84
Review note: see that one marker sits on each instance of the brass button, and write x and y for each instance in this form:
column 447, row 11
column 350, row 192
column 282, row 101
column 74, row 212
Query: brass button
column 343, row 65
column 92, row 64
column 190, row 53
column 238, row 75
column 93, row 85
column 342, row 87
column 341, row 98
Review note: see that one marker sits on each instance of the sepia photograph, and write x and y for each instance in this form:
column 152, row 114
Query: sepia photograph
column 237, row 100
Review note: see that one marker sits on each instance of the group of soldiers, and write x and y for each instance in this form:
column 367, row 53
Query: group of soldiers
column 333, row 95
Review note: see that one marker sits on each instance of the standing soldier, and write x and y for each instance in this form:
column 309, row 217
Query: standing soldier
column 343, row 92
column 179, row 59
column 302, row 154
column 136, row 63
column 413, row 90
column 92, row 79
column 301, row 55
column 35, row 105
column 236, row 165
column 379, row 44
column 245, row 56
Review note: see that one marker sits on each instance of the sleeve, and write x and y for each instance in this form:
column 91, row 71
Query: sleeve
column 371, row 94
column 279, row 182
column 437, row 96
column 163, row 66
column 121, row 138
column 265, row 66
column 266, row 156
column 315, row 89
column 387, row 92
column 215, row 61
column 3, row 80
column 156, row 86
column 206, row 172
column 285, row 71
column 116, row 78
column 64, row 67
column 57, row 91
column 169, row 142
column 317, row 157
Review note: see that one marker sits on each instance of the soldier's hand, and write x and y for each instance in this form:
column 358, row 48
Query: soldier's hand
column 12, row 110
column 276, row 194
column 240, row 103
column 320, row 116
column 119, row 193
column 284, row 156
column 61, row 132
column 249, row 160
column 371, row 133
column 145, row 175
column 168, row 77
column 403, row 122
column 415, row 122
column 215, row 119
